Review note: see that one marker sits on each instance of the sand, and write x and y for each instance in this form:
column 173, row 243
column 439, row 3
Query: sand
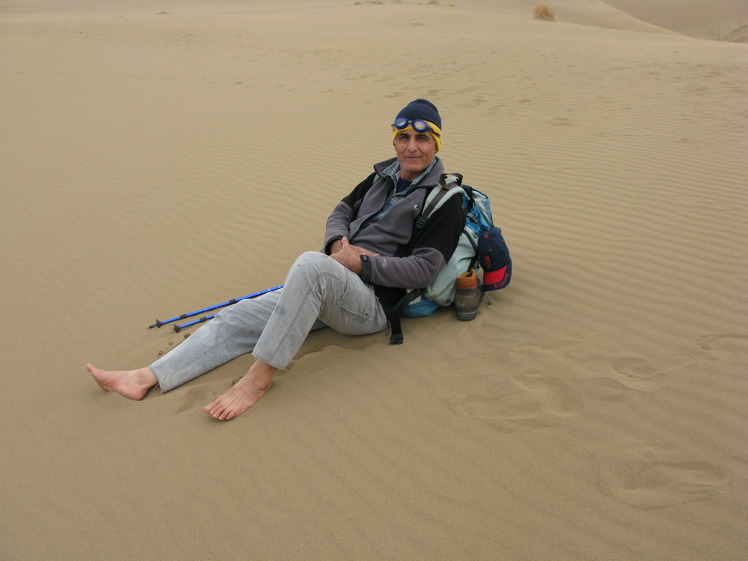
column 162, row 157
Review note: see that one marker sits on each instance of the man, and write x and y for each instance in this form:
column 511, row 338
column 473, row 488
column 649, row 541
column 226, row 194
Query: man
column 371, row 256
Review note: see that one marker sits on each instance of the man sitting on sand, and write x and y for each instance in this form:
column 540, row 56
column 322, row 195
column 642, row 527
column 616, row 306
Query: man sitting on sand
column 371, row 256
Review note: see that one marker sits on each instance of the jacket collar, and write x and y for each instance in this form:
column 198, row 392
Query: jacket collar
column 430, row 176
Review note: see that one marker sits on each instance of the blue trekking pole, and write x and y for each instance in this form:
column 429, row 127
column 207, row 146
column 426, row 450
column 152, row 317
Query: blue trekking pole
column 159, row 323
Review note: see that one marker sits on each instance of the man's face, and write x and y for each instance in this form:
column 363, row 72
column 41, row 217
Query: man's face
column 415, row 152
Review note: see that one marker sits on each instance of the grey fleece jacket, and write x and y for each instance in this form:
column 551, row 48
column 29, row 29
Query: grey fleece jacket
column 405, row 260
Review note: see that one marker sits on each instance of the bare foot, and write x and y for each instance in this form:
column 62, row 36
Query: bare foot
column 243, row 394
column 130, row 383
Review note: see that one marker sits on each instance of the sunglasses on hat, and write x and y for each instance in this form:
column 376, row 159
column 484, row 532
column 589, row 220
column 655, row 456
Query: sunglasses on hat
column 419, row 125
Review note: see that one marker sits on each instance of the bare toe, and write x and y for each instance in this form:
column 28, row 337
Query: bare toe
column 236, row 401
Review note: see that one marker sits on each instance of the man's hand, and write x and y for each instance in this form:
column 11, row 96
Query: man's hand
column 336, row 246
column 349, row 255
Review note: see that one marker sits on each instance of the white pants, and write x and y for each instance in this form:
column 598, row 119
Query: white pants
column 318, row 292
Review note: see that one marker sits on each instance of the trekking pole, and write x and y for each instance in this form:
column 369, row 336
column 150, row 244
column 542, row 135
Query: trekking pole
column 179, row 328
column 159, row 323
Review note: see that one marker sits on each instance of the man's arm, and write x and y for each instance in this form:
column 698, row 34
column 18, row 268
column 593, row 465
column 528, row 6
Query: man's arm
column 433, row 246
column 339, row 221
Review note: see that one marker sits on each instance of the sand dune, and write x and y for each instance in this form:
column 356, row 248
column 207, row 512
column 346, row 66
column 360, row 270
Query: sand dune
column 721, row 19
column 159, row 159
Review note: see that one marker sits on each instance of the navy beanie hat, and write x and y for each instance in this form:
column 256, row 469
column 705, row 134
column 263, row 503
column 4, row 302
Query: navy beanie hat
column 421, row 109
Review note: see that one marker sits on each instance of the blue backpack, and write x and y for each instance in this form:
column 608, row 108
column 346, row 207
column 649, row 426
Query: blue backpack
column 480, row 245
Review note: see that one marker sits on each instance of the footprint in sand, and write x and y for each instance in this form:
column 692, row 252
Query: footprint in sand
column 636, row 373
column 535, row 401
column 561, row 122
column 535, row 350
column 726, row 342
column 634, row 368
column 649, row 476
column 194, row 399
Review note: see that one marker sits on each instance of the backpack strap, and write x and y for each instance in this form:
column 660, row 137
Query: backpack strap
column 393, row 316
column 393, row 312
column 450, row 184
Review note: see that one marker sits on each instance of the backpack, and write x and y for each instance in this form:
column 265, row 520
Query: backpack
column 480, row 243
